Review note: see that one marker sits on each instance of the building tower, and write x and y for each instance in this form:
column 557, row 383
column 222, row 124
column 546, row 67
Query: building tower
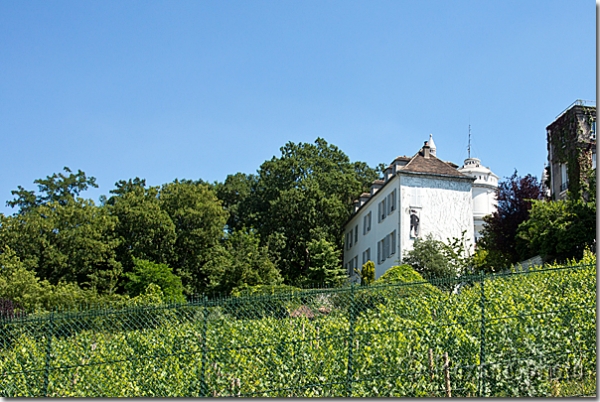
column 431, row 144
column 484, row 191
column 571, row 139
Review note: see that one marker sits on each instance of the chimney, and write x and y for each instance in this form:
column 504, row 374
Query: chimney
column 426, row 150
column 387, row 173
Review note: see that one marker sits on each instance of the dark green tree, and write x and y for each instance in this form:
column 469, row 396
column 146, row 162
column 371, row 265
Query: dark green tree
column 558, row 230
column 239, row 261
column 235, row 194
column 427, row 257
column 305, row 194
column 199, row 220
column 69, row 242
column 147, row 272
column 498, row 237
column 325, row 265
column 57, row 188
column 144, row 229
column 61, row 236
column 434, row 259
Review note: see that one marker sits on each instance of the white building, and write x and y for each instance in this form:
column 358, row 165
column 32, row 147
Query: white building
column 484, row 191
column 417, row 196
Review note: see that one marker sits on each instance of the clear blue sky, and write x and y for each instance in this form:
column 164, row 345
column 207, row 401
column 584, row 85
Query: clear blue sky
column 202, row 89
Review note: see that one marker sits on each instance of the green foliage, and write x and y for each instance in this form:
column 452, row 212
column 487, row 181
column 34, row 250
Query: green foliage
column 538, row 328
column 367, row 273
column 70, row 241
column 235, row 194
column 480, row 262
column 405, row 274
column 19, row 284
column 144, row 229
column 498, row 237
column 239, row 260
column 199, row 221
column 303, row 195
column 558, row 230
column 146, row 273
column 457, row 252
column 247, row 290
column 435, row 259
column 428, row 259
column 325, row 264
column 247, row 303
column 399, row 274
column 56, row 188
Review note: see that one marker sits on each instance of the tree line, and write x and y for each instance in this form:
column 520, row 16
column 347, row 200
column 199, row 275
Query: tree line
column 281, row 226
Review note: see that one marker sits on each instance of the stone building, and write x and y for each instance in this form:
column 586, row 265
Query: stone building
column 571, row 141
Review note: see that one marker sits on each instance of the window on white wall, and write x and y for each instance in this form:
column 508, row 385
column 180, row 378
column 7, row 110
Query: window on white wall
column 382, row 211
column 366, row 256
column 391, row 202
column 415, row 197
column 352, row 265
column 356, row 234
column 386, row 247
column 367, row 223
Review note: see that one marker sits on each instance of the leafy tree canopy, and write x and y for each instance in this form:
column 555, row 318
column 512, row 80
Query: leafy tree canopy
column 235, row 194
column 144, row 229
column 70, row 242
column 435, row 259
column 199, row 221
column 58, row 188
column 558, row 230
column 427, row 257
column 146, row 273
column 367, row 273
column 305, row 194
column 498, row 237
column 240, row 261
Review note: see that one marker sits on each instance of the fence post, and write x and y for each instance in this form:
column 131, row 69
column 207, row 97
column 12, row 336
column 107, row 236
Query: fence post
column 352, row 318
column 447, row 375
column 48, row 352
column 431, row 367
column 203, row 361
column 482, row 340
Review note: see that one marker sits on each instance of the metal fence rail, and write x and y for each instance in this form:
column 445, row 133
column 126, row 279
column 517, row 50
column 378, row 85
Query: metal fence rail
column 518, row 334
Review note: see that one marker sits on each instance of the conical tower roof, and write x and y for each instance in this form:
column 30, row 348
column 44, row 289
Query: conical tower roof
column 431, row 145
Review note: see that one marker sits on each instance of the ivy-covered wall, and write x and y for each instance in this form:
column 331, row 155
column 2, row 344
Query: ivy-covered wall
column 570, row 142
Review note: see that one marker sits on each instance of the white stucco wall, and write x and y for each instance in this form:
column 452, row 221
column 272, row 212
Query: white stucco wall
column 446, row 208
column 484, row 203
column 378, row 229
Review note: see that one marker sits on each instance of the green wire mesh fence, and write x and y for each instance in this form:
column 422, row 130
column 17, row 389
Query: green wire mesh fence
column 519, row 334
